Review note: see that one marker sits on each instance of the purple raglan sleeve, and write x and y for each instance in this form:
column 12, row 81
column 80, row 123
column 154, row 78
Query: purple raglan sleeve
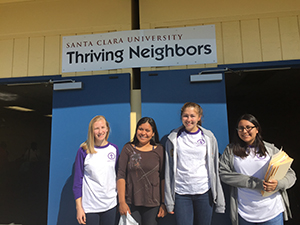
column 78, row 173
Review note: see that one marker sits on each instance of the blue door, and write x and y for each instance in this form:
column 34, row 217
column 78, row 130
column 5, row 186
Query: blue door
column 107, row 95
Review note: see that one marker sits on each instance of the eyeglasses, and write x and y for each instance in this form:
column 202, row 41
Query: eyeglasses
column 247, row 128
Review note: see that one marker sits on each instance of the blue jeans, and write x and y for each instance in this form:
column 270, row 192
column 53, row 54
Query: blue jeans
column 103, row 218
column 278, row 220
column 193, row 209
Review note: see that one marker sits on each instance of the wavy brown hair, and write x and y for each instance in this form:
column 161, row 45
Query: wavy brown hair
column 194, row 105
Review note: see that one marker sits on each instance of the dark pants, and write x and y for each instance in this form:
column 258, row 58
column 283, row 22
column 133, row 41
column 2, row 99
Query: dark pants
column 102, row 218
column 144, row 215
column 193, row 209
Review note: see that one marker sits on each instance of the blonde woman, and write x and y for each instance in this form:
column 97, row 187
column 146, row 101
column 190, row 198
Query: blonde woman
column 94, row 185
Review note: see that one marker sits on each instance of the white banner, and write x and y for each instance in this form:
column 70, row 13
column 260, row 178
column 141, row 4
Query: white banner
column 139, row 48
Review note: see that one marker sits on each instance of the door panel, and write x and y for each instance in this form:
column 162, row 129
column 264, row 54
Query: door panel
column 107, row 95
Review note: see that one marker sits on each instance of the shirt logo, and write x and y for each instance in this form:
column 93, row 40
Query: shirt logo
column 111, row 155
column 201, row 141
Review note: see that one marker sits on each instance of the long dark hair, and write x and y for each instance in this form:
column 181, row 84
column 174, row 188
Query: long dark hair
column 240, row 147
column 155, row 139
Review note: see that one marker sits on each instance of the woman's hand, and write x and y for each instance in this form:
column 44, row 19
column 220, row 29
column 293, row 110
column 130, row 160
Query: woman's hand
column 270, row 185
column 81, row 218
column 123, row 208
column 162, row 211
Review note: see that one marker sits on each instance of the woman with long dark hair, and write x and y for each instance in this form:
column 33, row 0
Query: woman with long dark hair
column 140, row 179
column 243, row 166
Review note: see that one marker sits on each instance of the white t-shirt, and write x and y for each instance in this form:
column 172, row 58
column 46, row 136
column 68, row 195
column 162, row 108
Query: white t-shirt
column 252, row 206
column 192, row 173
column 99, row 191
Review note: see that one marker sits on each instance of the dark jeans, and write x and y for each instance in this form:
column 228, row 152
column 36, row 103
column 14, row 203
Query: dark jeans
column 278, row 220
column 144, row 215
column 102, row 218
column 193, row 209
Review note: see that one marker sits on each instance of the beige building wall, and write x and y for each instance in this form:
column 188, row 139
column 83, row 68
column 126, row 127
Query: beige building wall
column 246, row 31
column 31, row 31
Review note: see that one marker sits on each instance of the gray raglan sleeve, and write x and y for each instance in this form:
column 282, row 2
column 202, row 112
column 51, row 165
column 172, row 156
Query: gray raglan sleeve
column 169, row 176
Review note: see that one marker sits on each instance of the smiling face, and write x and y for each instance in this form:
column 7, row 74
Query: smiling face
column 144, row 134
column 247, row 131
column 190, row 117
column 100, row 132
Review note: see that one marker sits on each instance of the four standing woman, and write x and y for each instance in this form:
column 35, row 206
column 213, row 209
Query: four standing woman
column 183, row 179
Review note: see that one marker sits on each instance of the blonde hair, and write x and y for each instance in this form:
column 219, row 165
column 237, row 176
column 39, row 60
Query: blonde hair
column 88, row 145
column 194, row 105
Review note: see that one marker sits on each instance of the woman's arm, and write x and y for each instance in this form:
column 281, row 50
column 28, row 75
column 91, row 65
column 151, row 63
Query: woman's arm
column 77, row 185
column 81, row 218
column 219, row 198
column 169, row 176
column 123, row 207
column 230, row 177
column 78, row 173
column 121, row 180
column 162, row 209
column 288, row 180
